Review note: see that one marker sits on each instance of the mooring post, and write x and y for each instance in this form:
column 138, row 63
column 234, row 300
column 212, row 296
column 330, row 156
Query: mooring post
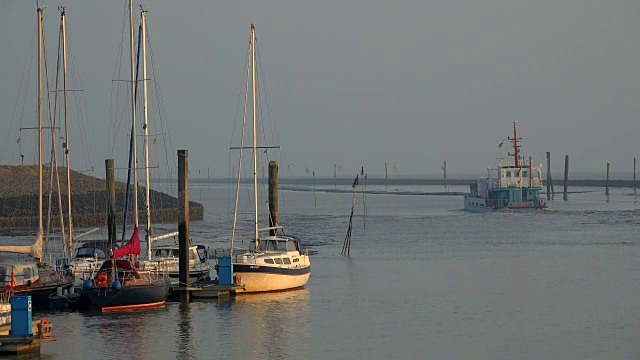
column 548, row 175
column 607, row 184
column 566, row 176
column 273, row 196
column 183, row 221
column 111, row 201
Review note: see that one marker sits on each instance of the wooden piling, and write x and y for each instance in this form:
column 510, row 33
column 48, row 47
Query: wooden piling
column 273, row 196
column 548, row 175
column 183, row 220
column 444, row 168
column 607, row 184
column 111, row 201
column 566, row 176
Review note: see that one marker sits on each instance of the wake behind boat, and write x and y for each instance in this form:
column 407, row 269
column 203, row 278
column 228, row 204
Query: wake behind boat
column 508, row 187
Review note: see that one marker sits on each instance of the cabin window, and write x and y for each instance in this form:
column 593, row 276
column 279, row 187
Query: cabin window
column 202, row 252
column 268, row 261
column 27, row 273
column 84, row 252
column 278, row 261
column 291, row 246
column 296, row 259
column 286, row 261
column 272, row 245
column 524, row 173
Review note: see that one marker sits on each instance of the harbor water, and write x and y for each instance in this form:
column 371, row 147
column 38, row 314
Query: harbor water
column 425, row 280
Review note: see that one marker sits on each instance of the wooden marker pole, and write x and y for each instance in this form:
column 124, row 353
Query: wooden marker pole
column 183, row 220
column 566, row 177
column 548, row 175
column 607, row 186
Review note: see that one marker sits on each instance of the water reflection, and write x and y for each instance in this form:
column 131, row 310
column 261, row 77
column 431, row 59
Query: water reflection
column 266, row 325
column 184, row 332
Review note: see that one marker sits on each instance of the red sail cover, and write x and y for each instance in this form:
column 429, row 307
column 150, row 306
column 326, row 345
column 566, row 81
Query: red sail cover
column 130, row 248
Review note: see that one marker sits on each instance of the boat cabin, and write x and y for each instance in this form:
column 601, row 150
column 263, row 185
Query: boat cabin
column 23, row 273
column 198, row 252
column 279, row 244
column 94, row 249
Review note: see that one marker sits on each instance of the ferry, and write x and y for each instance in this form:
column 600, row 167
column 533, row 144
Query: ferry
column 510, row 187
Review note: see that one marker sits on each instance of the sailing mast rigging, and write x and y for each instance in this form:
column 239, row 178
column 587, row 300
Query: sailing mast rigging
column 63, row 28
column 255, row 135
column 133, row 117
column 145, row 127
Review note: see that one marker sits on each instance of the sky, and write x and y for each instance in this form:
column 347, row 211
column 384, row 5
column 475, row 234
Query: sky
column 352, row 82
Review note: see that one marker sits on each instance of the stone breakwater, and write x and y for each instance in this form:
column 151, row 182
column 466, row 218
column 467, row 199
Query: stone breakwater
column 19, row 200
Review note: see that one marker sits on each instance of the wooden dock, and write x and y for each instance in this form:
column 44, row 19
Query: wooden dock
column 207, row 290
column 26, row 344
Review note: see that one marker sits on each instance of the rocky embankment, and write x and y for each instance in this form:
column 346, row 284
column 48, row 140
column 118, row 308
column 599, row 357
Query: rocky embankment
column 19, row 199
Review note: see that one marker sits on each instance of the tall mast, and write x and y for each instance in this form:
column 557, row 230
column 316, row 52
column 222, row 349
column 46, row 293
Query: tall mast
column 143, row 26
column 255, row 153
column 63, row 23
column 515, row 140
column 244, row 122
column 40, row 228
column 133, row 117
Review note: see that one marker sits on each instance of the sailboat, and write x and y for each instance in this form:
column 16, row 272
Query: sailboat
column 275, row 262
column 119, row 284
column 30, row 278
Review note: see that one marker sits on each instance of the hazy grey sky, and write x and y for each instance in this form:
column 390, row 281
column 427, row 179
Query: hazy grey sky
column 409, row 82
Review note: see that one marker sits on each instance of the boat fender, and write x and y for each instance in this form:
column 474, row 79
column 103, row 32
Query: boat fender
column 45, row 322
column 102, row 281
column 237, row 279
column 87, row 284
column 116, row 285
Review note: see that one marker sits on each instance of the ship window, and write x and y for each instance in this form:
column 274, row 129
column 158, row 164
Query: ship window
column 27, row 273
column 291, row 246
column 286, row 261
column 296, row 259
column 524, row 173
column 268, row 261
column 84, row 252
column 278, row 261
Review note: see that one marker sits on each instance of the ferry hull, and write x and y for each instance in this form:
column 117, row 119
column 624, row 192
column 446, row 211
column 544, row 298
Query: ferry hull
column 264, row 278
column 479, row 209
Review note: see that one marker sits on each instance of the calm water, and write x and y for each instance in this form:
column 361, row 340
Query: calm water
column 425, row 280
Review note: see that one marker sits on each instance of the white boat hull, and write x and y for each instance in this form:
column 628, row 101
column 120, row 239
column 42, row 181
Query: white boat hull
column 265, row 281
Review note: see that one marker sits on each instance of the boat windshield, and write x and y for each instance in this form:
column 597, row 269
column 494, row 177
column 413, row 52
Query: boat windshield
column 277, row 245
column 202, row 253
column 85, row 252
